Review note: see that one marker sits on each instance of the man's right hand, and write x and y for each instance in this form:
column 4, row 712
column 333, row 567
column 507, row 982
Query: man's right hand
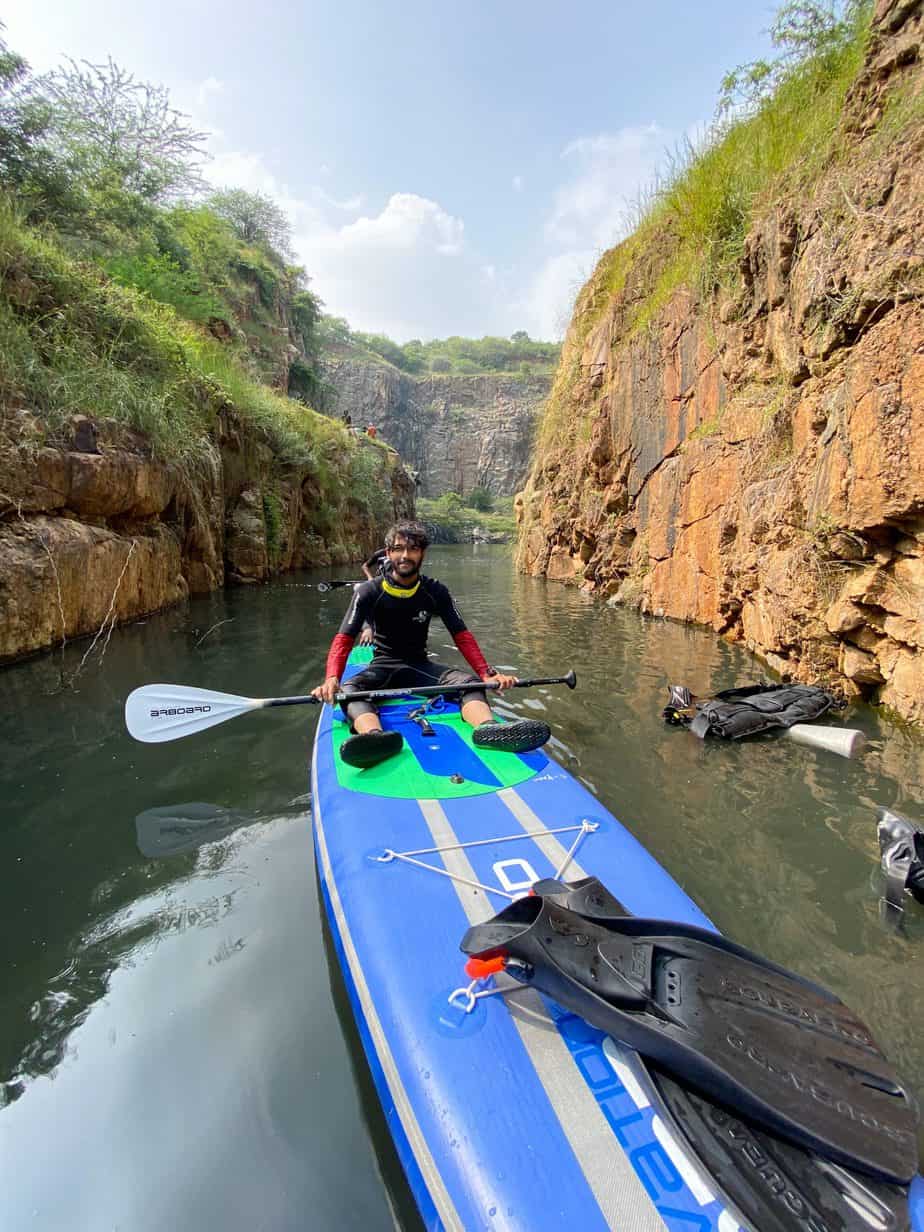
column 327, row 691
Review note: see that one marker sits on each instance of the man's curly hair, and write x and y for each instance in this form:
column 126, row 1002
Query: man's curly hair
column 414, row 532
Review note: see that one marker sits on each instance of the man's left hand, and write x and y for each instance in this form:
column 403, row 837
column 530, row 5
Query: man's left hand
column 502, row 680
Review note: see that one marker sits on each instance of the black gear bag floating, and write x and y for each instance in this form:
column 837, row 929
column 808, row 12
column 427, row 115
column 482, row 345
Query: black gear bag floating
column 735, row 713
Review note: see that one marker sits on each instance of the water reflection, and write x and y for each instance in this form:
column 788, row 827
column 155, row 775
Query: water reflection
column 176, row 828
column 167, row 1028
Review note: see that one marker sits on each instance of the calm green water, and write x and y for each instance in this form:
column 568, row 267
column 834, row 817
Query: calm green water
column 175, row 1051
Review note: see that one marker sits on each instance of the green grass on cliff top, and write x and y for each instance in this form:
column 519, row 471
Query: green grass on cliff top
column 72, row 341
column 692, row 229
column 701, row 213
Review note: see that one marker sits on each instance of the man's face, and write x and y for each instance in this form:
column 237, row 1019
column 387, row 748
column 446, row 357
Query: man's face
column 405, row 558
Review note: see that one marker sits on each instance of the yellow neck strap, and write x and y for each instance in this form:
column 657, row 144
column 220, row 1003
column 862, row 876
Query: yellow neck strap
column 400, row 592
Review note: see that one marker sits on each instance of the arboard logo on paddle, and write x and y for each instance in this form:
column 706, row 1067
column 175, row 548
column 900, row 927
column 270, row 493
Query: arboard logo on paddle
column 175, row 710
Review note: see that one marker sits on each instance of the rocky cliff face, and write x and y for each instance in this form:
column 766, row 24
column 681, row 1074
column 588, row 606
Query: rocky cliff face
column 101, row 532
column 755, row 461
column 458, row 432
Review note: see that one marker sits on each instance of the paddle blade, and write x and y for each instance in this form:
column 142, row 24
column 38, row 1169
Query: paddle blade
column 159, row 712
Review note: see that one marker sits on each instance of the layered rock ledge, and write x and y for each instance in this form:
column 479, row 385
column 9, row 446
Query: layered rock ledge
column 99, row 531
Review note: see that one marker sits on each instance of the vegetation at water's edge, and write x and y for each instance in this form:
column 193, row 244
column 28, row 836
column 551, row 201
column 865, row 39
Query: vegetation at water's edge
column 460, row 356
column 458, row 519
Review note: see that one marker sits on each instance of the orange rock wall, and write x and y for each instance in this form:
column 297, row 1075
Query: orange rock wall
column 101, row 532
column 756, row 461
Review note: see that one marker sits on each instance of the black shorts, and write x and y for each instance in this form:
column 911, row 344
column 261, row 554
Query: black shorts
column 395, row 674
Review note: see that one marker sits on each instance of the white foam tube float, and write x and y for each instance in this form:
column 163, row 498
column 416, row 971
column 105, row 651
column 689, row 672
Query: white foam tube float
column 845, row 741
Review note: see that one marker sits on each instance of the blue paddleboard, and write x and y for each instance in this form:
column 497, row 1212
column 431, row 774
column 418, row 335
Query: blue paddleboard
column 507, row 1111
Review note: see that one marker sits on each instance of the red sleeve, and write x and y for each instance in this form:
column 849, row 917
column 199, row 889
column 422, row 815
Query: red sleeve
column 338, row 654
column 472, row 654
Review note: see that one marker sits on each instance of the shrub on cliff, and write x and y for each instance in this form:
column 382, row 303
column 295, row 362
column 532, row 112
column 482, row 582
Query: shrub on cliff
column 74, row 342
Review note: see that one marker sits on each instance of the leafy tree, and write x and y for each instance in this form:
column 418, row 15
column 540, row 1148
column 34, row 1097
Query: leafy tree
column 306, row 316
column 481, row 499
column 414, row 358
column 801, row 29
column 27, row 165
column 383, row 346
column 439, row 363
column 120, row 133
column 520, row 336
column 448, row 505
column 334, row 329
column 254, row 218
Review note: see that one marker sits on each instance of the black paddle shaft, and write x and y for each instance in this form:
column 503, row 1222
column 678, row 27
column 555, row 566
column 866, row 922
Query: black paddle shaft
column 434, row 690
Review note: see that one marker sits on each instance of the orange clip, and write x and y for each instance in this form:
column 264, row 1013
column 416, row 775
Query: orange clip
column 481, row 968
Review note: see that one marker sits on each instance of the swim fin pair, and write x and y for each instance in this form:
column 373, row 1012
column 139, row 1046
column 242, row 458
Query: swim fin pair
column 777, row 1050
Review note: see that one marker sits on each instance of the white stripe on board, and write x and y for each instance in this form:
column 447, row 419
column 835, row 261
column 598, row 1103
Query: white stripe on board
column 415, row 1135
column 535, row 827
column 623, row 1200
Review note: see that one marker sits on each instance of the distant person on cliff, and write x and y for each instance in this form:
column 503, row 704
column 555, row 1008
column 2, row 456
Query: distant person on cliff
column 398, row 606
column 371, row 431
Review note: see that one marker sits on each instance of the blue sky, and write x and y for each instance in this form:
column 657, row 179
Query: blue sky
column 447, row 168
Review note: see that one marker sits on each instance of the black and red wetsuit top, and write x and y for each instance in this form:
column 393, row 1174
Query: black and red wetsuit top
column 400, row 620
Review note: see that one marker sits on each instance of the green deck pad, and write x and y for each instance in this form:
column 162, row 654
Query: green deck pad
column 403, row 777
column 361, row 655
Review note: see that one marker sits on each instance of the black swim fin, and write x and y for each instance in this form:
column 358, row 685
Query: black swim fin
column 777, row 1049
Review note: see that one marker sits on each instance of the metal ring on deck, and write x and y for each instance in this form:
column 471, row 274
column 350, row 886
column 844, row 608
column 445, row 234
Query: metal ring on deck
column 469, row 1002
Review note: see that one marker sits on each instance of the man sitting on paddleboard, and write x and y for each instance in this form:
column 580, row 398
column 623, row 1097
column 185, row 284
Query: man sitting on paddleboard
column 398, row 606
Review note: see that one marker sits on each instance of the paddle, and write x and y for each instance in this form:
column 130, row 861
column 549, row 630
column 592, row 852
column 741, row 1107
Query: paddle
column 159, row 712
column 324, row 587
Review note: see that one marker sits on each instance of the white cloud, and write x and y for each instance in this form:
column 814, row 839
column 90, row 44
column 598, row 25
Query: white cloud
column 404, row 271
column 550, row 297
column 208, row 87
column 611, row 170
column 348, row 206
column 407, row 271
column 593, row 210
column 407, row 222
column 517, row 183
